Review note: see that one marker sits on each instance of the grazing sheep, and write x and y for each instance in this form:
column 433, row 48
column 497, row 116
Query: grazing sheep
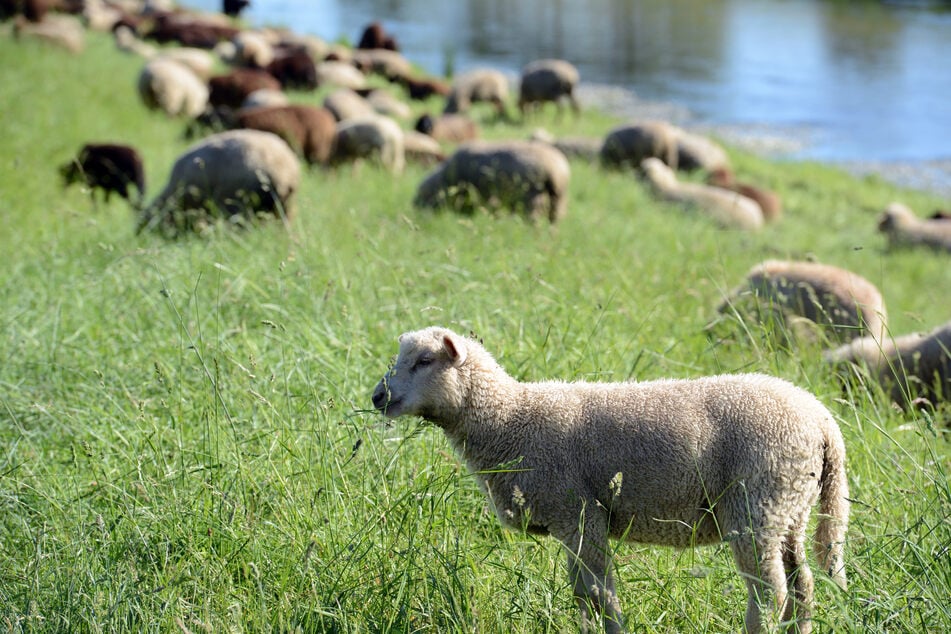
column 234, row 175
column 422, row 148
column 904, row 228
column 845, row 305
column 170, row 86
column 64, row 31
column 374, row 36
column 232, row 88
column 735, row 458
column 189, row 30
column 521, row 175
column 375, row 137
column 696, row 152
column 390, row 65
column 108, row 167
column 628, row 145
column 912, row 368
column 252, row 49
column 422, row 88
column 478, row 85
column 548, row 80
column 341, row 74
column 729, row 209
column 448, row 128
column 768, row 201
column 294, row 69
column 309, row 130
column 345, row 104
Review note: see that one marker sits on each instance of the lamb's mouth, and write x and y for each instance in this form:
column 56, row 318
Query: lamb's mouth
column 389, row 405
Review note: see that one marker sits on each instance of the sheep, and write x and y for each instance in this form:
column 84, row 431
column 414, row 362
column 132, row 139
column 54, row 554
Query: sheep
column 340, row 74
column 232, row 88
column 170, row 86
column 735, row 458
column 629, row 144
column 422, row 148
column 422, row 88
column 188, row 30
column 729, row 209
column 108, row 167
column 696, row 152
column 375, row 37
column 914, row 368
column 376, row 137
column 234, row 8
column 448, row 128
column 252, row 49
column 385, row 103
column 389, row 64
column 294, row 69
column 548, row 80
column 522, row 175
column 843, row 304
column 345, row 104
column 904, row 228
column 478, row 85
column 309, row 130
column 234, row 175
column 769, row 202
column 64, row 31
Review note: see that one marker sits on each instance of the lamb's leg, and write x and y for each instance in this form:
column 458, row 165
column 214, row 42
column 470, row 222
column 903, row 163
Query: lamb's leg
column 799, row 579
column 589, row 570
column 760, row 562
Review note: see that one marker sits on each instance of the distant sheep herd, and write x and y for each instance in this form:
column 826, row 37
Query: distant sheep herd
column 581, row 449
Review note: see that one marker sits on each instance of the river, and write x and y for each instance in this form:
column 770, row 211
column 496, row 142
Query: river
column 863, row 84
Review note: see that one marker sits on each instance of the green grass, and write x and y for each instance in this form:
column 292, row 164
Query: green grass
column 185, row 441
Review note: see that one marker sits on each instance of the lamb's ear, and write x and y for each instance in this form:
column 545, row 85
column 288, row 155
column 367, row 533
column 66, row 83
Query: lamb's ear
column 455, row 347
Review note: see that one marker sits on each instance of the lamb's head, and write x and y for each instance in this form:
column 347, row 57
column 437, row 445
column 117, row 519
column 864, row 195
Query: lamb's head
column 425, row 380
column 896, row 215
column 658, row 173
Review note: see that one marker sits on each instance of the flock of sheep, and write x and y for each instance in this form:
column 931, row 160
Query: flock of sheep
column 741, row 458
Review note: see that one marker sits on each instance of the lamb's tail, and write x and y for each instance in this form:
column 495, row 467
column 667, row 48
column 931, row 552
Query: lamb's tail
column 833, row 506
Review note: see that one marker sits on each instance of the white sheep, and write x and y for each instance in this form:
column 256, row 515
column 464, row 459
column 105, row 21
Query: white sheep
column 729, row 209
column 235, row 175
column 375, row 137
column 526, row 176
column 345, row 104
column 844, row 304
column 904, row 228
column 736, row 458
column 548, row 80
column 478, row 85
column 910, row 367
column 170, row 86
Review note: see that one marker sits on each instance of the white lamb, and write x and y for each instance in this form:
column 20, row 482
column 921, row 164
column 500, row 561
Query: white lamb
column 740, row 458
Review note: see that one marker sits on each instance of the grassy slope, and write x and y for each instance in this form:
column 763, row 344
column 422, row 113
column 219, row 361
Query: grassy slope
column 184, row 427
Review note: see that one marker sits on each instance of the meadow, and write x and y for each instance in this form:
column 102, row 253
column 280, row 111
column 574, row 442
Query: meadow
column 187, row 441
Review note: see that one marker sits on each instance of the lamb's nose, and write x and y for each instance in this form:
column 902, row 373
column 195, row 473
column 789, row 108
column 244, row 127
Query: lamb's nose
column 379, row 396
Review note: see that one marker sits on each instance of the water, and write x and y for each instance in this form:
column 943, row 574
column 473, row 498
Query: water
column 865, row 84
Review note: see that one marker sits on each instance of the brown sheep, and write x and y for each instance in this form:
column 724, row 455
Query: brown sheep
column 374, row 36
column 768, row 200
column 108, row 167
column 294, row 69
column 232, row 88
column 309, row 130
column 422, row 88
column 189, row 31
column 628, row 145
column 448, row 128
column 485, row 85
column 548, row 80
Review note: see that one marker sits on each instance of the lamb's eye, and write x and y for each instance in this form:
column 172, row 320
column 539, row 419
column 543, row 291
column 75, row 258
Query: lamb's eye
column 422, row 362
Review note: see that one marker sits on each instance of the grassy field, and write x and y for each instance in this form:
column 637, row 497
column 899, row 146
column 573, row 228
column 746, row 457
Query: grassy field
column 185, row 435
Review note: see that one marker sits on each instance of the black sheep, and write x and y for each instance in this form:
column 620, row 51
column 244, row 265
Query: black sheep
column 109, row 167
